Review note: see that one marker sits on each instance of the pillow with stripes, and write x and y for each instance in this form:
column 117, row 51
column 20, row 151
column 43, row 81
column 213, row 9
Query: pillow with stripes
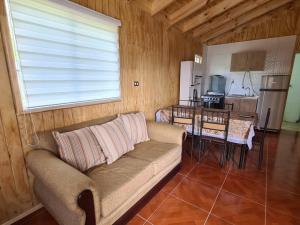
column 113, row 139
column 136, row 127
column 79, row 148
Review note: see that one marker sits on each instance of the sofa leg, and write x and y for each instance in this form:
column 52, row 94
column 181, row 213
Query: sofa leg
column 86, row 203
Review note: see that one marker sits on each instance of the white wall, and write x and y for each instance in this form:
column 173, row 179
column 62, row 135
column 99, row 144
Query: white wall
column 278, row 61
column 292, row 109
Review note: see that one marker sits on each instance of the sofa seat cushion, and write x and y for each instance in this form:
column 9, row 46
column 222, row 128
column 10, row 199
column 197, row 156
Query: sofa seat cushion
column 160, row 154
column 119, row 181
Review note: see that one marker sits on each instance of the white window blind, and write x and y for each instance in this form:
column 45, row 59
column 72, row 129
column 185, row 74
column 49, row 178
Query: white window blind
column 65, row 53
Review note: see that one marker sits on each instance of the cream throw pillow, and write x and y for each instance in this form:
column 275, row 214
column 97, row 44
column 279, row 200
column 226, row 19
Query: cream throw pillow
column 136, row 127
column 79, row 148
column 113, row 139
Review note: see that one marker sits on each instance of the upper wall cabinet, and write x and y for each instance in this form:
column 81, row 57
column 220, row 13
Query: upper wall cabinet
column 248, row 61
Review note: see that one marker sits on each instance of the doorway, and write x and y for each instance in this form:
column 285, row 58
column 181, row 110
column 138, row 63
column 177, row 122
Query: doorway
column 291, row 118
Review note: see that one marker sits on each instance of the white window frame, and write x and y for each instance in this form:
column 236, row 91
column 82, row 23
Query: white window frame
column 14, row 63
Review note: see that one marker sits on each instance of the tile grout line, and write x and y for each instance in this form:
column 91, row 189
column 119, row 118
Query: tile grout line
column 220, row 218
column 184, row 176
column 287, row 191
column 248, row 199
column 213, row 186
column 189, row 203
column 169, row 194
column 146, row 221
column 219, row 192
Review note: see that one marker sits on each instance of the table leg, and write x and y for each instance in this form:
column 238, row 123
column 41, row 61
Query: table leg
column 245, row 156
column 242, row 153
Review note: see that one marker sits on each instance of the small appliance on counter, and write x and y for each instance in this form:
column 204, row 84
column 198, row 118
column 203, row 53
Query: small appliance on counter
column 215, row 96
column 273, row 93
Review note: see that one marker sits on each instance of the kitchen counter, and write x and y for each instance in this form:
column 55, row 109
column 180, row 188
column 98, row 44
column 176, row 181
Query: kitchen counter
column 242, row 97
column 242, row 103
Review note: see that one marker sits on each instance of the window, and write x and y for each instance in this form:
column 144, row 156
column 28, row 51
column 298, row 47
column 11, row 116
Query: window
column 198, row 59
column 65, row 54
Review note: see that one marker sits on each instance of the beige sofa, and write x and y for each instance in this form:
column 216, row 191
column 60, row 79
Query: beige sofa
column 103, row 194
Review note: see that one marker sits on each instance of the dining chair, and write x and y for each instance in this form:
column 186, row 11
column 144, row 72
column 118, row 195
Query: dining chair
column 259, row 138
column 214, row 124
column 196, row 103
column 185, row 116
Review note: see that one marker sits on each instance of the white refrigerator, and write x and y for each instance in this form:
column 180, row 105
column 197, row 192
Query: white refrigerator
column 273, row 93
column 190, row 80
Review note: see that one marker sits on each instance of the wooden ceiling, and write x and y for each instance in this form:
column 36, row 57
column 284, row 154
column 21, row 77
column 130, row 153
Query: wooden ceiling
column 205, row 20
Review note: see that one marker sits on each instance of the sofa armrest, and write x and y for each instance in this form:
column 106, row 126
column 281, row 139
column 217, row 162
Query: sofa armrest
column 165, row 132
column 66, row 183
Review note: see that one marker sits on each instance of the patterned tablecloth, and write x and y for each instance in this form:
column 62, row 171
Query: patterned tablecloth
column 240, row 131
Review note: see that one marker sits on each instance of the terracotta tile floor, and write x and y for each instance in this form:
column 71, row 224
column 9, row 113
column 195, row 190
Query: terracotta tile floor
column 203, row 194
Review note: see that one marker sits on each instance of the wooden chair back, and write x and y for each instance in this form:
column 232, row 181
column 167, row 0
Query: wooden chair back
column 183, row 115
column 215, row 120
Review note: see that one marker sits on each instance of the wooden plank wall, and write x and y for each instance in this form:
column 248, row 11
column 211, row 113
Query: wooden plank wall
column 282, row 22
column 150, row 53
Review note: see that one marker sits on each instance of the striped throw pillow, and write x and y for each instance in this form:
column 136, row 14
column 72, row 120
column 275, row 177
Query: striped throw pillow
column 136, row 127
column 79, row 148
column 113, row 139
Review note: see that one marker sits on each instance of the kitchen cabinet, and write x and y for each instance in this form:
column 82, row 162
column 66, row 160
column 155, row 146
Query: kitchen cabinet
column 239, row 62
column 235, row 102
column 242, row 104
column 248, row 105
column 256, row 60
column 248, row 61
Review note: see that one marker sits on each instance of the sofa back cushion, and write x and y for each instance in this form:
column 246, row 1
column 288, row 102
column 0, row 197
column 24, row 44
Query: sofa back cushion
column 46, row 140
column 113, row 139
column 136, row 127
column 79, row 148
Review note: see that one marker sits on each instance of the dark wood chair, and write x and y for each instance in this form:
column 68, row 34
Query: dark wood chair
column 185, row 116
column 214, row 124
column 259, row 138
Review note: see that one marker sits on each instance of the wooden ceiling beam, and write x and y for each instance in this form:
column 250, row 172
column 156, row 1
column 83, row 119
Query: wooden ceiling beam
column 208, row 14
column 159, row 5
column 228, row 16
column 154, row 7
column 185, row 11
column 290, row 8
column 143, row 4
column 245, row 18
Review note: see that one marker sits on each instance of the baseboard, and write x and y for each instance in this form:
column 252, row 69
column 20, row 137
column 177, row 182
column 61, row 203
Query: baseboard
column 23, row 215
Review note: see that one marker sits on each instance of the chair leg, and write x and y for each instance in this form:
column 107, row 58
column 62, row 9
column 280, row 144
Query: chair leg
column 192, row 147
column 201, row 150
column 228, row 151
column 203, row 146
column 261, row 155
column 241, row 157
column 233, row 146
column 223, row 156
column 245, row 157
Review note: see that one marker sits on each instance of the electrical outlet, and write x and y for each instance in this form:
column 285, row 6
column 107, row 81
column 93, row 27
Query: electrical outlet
column 136, row 83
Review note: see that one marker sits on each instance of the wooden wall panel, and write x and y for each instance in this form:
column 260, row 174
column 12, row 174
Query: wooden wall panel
column 15, row 195
column 282, row 22
column 150, row 53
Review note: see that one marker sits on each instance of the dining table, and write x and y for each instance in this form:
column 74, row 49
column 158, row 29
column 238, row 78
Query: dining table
column 240, row 132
